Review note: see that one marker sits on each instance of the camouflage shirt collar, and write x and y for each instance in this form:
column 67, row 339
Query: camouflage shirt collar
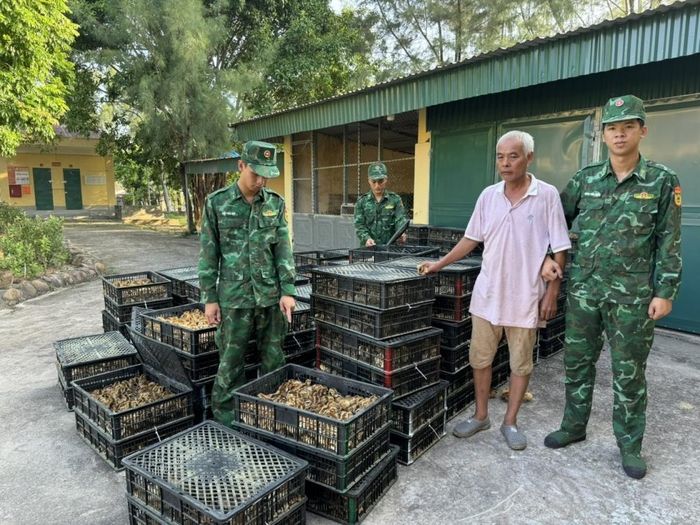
column 640, row 170
column 238, row 194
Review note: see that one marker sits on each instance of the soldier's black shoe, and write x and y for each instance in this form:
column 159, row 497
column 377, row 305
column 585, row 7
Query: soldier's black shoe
column 634, row 466
column 562, row 438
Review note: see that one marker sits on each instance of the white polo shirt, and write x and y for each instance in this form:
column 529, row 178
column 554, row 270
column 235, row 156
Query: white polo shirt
column 516, row 239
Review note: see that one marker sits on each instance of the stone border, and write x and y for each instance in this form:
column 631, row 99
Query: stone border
column 83, row 267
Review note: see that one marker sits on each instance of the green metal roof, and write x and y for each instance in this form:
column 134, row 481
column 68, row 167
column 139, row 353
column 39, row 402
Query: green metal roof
column 224, row 164
column 664, row 33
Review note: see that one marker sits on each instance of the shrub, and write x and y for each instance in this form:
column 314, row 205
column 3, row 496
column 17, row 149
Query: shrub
column 30, row 246
column 8, row 214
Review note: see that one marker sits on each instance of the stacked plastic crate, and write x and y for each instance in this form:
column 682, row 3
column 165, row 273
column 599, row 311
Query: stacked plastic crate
column 123, row 292
column 377, row 254
column 351, row 463
column 179, row 277
column 373, row 325
column 213, row 475
column 453, row 287
column 305, row 261
column 90, row 355
column 115, row 430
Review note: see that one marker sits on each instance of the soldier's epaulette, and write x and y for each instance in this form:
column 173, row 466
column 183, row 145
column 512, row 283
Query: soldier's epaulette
column 594, row 166
column 659, row 166
column 219, row 191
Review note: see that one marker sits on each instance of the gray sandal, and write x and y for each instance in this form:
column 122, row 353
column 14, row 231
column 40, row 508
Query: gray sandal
column 514, row 437
column 470, row 427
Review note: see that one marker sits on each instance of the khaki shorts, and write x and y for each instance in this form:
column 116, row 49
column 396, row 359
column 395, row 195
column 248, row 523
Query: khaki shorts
column 485, row 339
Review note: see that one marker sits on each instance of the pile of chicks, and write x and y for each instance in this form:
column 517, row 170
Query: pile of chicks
column 127, row 283
column 191, row 319
column 318, row 399
column 130, row 393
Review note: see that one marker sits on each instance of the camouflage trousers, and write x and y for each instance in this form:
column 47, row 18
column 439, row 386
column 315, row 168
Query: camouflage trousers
column 268, row 327
column 630, row 333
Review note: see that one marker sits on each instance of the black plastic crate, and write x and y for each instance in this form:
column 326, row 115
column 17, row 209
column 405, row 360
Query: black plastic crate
column 179, row 300
column 202, row 400
column 413, row 447
column 372, row 285
column 141, row 515
column 302, row 318
column 352, row 507
column 454, row 359
column 339, row 473
column 114, row 451
column 549, row 347
column 554, row 328
column 297, row 343
column 157, row 326
column 457, row 380
column 122, row 313
column 306, row 359
column 120, row 425
column 402, row 381
column 91, row 355
column 213, row 475
column 192, row 290
column 410, row 413
column 303, row 293
column 308, row 260
column 178, row 276
column 110, row 324
column 390, row 354
column 500, row 375
column 454, row 334
column 325, row 433
column 445, row 234
column 417, row 235
column 384, row 253
column 158, row 289
column 380, row 324
column 451, row 308
column 459, row 400
column 456, row 279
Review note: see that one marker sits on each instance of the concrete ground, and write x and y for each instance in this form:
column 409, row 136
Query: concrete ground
column 48, row 475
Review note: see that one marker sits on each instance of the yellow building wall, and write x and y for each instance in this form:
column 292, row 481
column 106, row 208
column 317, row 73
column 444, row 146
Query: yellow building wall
column 69, row 154
column 421, row 172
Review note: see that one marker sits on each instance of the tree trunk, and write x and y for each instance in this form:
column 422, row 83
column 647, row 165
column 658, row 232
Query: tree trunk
column 201, row 186
column 166, row 193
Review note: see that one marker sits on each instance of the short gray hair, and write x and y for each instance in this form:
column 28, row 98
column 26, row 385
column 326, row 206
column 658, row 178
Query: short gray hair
column 521, row 136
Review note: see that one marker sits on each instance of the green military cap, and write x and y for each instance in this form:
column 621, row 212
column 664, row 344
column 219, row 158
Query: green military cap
column 261, row 157
column 626, row 107
column 377, row 171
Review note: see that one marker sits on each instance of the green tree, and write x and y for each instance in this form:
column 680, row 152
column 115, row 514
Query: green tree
column 319, row 55
column 35, row 70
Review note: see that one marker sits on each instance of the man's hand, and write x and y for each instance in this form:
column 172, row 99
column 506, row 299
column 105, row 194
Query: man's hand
column 427, row 267
column 370, row 242
column 287, row 305
column 659, row 308
column 551, row 270
column 548, row 304
column 212, row 312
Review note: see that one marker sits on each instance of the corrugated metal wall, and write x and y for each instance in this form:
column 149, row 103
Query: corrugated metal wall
column 653, row 81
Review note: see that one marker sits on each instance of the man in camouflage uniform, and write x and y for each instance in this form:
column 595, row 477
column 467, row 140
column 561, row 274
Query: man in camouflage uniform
column 624, row 277
column 245, row 246
column 378, row 213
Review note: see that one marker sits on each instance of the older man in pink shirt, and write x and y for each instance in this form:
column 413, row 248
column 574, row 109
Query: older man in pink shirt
column 518, row 219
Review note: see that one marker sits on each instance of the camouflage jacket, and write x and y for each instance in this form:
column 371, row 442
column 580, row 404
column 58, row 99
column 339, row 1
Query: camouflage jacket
column 378, row 220
column 629, row 233
column 246, row 248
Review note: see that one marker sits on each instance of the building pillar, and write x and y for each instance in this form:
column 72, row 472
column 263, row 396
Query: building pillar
column 421, row 172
